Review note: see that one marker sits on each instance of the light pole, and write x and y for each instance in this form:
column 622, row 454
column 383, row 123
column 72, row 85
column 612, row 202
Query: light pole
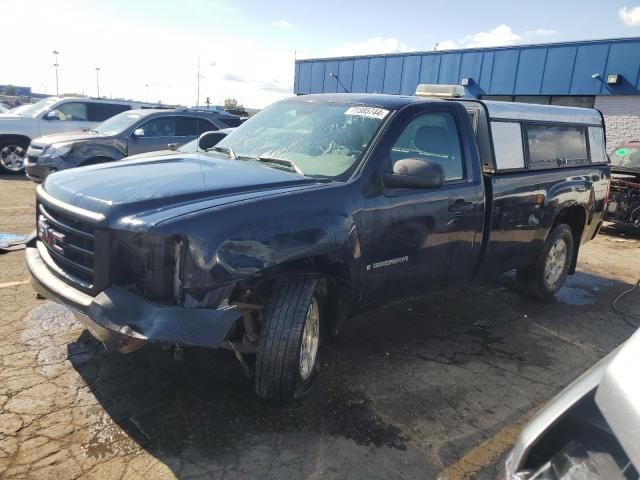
column 98, row 80
column 56, row 65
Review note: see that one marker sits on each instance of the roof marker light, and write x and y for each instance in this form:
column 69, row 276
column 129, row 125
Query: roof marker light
column 444, row 91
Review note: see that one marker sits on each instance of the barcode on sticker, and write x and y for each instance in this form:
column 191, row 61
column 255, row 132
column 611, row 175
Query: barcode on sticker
column 371, row 112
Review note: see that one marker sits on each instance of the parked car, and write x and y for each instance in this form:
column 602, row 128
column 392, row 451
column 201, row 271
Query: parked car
column 51, row 115
column 128, row 133
column 190, row 147
column 624, row 200
column 316, row 208
column 591, row 430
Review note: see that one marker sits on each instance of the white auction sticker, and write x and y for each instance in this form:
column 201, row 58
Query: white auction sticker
column 371, row 112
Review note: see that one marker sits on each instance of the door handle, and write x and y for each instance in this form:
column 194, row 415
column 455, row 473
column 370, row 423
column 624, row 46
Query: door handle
column 460, row 206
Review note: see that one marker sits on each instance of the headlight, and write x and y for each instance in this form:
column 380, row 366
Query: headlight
column 59, row 149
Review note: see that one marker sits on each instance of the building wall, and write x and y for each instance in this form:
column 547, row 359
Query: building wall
column 622, row 118
column 572, row 68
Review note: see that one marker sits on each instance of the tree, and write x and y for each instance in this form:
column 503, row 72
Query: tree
column 230, row 103
column 10, row 90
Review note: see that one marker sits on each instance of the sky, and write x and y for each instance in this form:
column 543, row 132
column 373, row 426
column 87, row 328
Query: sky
column 246, row 49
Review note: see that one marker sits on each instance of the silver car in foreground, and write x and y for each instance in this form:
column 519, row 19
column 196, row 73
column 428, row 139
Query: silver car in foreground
column 591, row 430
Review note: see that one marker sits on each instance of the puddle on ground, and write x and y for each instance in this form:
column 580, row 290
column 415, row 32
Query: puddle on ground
column 583, row 289
column 575, row 296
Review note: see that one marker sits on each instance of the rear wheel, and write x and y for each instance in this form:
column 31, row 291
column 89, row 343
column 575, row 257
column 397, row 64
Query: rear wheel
column 549, row 273
column 287, row 357
column 12, row 156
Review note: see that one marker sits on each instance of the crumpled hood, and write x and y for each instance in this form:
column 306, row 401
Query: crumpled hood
column 149, row 186
column 74, row 136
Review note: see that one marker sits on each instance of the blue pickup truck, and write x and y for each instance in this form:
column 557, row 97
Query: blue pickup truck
column 317, row 208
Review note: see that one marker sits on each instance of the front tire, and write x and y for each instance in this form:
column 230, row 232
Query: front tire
column 546, row 277
column 287, row 356
column 12, row 156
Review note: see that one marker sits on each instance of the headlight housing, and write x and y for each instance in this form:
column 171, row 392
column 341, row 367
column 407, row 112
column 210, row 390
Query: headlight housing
column 59, row 149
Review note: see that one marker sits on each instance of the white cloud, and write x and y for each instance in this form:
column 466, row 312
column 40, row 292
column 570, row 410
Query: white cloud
column 281, row 24
column 166, row 59
column 371, row 46
column 500, row 36
column 448, row 45
column 630, row 17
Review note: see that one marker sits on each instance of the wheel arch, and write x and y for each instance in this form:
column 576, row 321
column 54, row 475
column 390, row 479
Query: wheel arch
column 336, row 284
column 15, row 137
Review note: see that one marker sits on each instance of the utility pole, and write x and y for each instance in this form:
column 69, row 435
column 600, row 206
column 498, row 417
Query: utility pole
column 98, row 80
column 198, row 91
column 56, row 65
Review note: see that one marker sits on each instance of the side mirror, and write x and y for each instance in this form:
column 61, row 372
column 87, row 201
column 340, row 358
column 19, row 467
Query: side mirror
column 210, row 139
column 52, row 115
column 415, row 173
column 138, row 132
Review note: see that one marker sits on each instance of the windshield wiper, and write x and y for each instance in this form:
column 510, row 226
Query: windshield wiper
column 282, row 161
column 228, row 150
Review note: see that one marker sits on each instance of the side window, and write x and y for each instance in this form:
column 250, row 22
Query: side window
column 186, row 127
column 72, row 112
column 232, row 122
column 205, row 126
column 160, row 127
column 433, row 137
column 597, row 145
column 473, row 118
column 556, row 146
column 99, row 112
column 507, row 144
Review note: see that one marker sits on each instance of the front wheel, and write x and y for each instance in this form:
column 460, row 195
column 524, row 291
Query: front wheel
column 287, row 357
column 547, row 276
column 12, row 155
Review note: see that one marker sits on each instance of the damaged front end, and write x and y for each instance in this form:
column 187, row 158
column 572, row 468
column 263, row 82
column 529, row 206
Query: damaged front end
column 624, row 198
column 159, row 295
column 144, row 299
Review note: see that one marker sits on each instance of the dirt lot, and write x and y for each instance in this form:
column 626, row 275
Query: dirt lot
column 432, row 388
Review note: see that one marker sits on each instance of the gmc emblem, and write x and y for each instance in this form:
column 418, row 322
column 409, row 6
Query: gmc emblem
column 50, row 236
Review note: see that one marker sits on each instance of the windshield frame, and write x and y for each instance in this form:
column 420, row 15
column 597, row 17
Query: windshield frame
column 358, row 165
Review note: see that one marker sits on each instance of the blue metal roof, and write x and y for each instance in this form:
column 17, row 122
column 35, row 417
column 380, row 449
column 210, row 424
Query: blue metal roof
column 547, row 69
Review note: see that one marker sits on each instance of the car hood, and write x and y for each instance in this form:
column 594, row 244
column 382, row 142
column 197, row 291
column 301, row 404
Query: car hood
column 141, row 187
column 75, row 136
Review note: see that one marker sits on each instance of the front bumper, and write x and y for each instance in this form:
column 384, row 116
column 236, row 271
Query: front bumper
column 38, row 167
column 120, row 318
column 36, row 172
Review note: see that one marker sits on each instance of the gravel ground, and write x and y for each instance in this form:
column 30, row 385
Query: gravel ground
column 435, row 387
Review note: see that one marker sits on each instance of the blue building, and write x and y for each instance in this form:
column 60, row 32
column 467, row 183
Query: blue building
column 604, row 74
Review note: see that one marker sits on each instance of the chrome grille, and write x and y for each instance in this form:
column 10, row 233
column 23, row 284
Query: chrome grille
column 70, row 243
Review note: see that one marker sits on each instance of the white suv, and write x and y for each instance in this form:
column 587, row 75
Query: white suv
column 51, row 115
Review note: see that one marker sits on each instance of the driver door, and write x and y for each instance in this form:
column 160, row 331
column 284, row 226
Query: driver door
column 158, row 134
column 420, row 239
column 66, row 117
